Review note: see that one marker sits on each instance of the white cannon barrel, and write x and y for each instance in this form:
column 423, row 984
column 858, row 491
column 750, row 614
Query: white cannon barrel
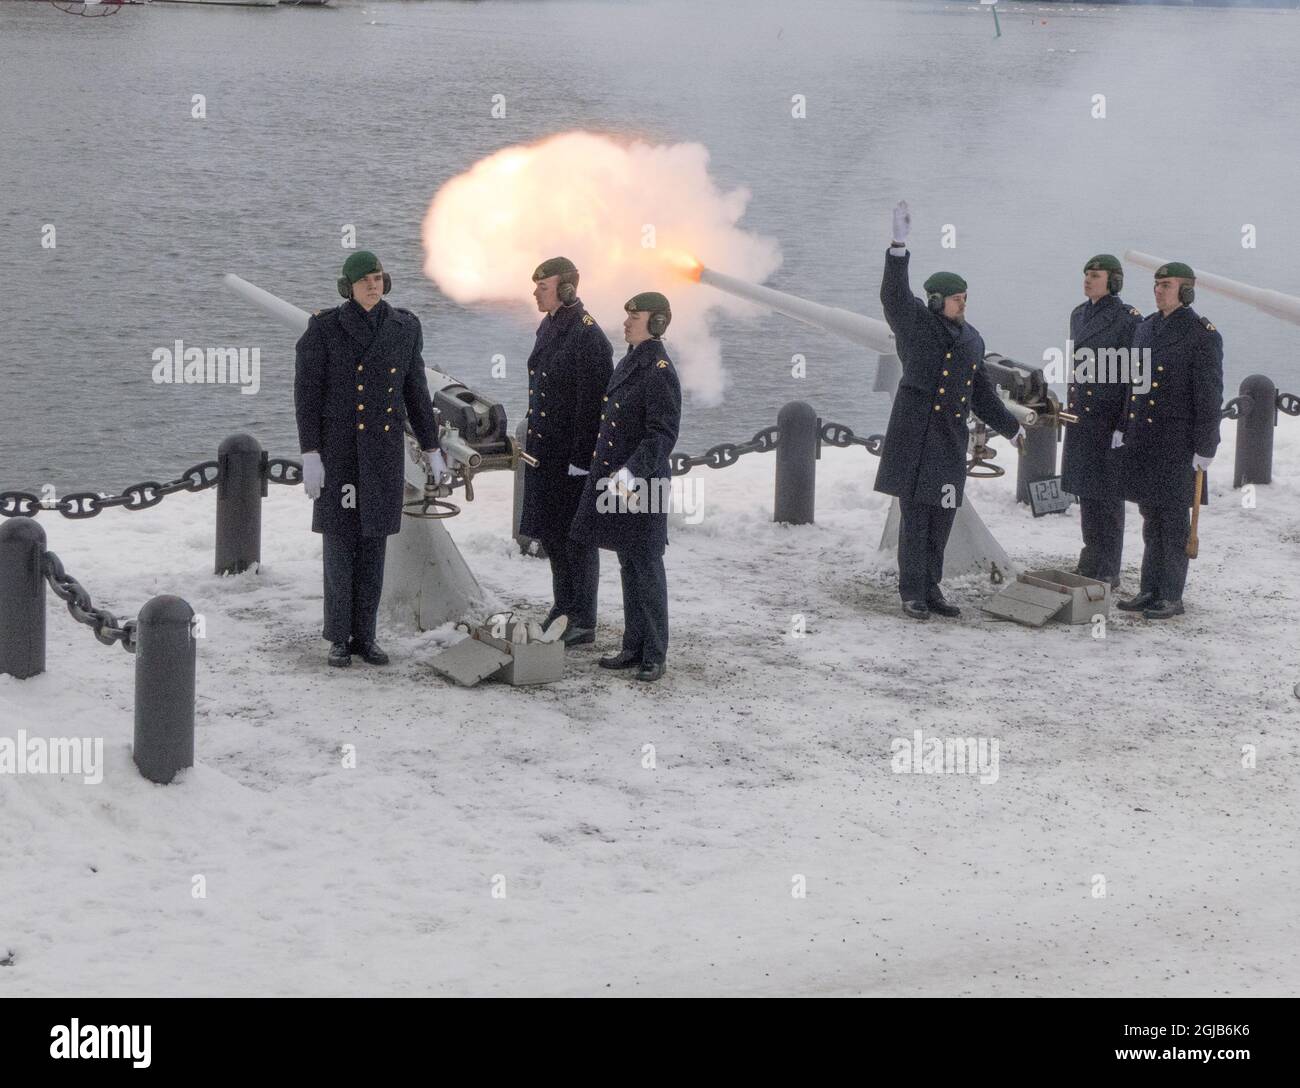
column 867, row 331
column 285, row 313
column 1026, row 417
column 1287, row 307
column 456, row 450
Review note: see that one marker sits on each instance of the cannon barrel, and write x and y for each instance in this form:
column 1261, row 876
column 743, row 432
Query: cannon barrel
column 286, row 313
column 867, row 331
column 1287, row 307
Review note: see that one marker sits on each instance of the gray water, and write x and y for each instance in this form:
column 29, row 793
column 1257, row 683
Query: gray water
column 320, row 117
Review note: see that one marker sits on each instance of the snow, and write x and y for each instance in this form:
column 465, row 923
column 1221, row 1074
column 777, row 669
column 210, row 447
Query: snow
column 1120, row 757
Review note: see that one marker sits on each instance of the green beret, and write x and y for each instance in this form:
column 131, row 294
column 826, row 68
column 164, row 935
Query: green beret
column 1103, row 262
column 1175, row 270
column 556, row 266
column 647, row 301
column 945, row 283
column 360, row 264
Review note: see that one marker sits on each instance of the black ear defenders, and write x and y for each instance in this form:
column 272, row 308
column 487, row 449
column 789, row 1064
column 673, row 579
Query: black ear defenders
column 934, row 301
column 657, row 323
column 345, row 287
column 567, row 292
column 1186, row 293
column 1114, row 282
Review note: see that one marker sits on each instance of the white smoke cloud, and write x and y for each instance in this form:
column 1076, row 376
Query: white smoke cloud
column 629, row 215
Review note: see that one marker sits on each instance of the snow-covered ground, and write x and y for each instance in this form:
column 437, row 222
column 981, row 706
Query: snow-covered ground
column 1119, row 758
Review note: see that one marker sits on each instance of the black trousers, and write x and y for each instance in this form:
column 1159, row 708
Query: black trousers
column 1102, row 520
column 354, row 579
column 922, row 536
column 645, row 606
column 1165, row 530
column 575, row 579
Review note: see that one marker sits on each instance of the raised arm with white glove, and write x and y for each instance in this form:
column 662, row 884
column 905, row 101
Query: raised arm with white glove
column 902, row 225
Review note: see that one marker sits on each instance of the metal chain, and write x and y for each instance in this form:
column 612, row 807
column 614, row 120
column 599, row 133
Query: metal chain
column 285, row 470
column 282, row 470
column 86, row 504
column 837, row 434
column 106, row 626
column 726, row 454
column 1234, row 407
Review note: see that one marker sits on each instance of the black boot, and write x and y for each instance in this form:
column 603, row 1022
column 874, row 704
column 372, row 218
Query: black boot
column 578, row 636
column 918, row 610
column 1137, row 604
column 936, row 603
column 621, row 661
column 369, row 652
column 651, row 671
column 340, row 656
column 1163, row 610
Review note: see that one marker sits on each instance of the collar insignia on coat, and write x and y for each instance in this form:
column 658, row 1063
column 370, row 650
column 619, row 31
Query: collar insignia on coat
column 586, row 319
column 662, row 365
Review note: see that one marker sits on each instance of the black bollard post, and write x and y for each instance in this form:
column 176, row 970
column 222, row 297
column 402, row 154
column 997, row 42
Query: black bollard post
column 1038, row 459
column 240, row 490
column 22, row 598
column 796, row 464
column 1253, row 463
column 164, row 689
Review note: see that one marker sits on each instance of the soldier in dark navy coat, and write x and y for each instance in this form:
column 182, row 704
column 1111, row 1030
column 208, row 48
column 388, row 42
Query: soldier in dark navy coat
column 359, row 376
column 923, row 462
column 1170, row 432
column 1101, row 330
column 568, row 370
column 624, row 506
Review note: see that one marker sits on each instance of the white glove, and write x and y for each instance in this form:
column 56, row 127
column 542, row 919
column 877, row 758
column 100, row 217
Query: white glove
column 435, row 463
column 1019, row 439
column 313, row 474
column 624, row 484
column 902, row 222
column 1201, row 462
column 574, row 470
column 1116, row 439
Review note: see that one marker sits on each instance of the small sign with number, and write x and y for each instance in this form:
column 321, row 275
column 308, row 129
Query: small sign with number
column 1048, row 497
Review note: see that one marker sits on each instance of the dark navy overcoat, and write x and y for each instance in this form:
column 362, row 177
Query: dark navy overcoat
column 354, row 388
column 640, row 412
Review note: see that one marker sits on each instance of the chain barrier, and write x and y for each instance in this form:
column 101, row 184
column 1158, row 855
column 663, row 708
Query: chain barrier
column 106, row 626
column 285, row 470
column 726, row 454
column 282, row 470
column 86, row 504
column 837, row 434
column 1234, row 407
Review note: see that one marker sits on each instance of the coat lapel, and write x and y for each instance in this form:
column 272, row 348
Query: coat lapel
column 627, row 365
column 1176, row 328
column 1100, row 318
column 359, row 329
